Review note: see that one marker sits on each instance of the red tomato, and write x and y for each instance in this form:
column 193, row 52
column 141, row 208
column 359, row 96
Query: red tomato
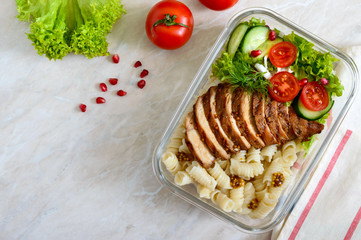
column 218, row 5
column 169, row 24
column 284, row 87
column 314, row 96
column 283, row 54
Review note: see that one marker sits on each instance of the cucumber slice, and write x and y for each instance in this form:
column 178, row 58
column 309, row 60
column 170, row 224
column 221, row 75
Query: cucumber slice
column 254, row 38
column 305, row 113
column 236, row 39
column 266, row 46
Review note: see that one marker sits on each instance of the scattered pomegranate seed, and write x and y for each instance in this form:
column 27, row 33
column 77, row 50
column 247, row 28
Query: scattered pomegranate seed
column 272, row 35
column 141, row 83
column 100, row 100
column 324, row 81
column 121, row 93
column 303, row 82
column 103, row 87
column 113, row 81
column 115, row 58
column 256, row 53
column 144, row 73
column 82, row 107
column 137, row 64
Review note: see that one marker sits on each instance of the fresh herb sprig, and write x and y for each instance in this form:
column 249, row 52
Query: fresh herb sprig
column 239, row 72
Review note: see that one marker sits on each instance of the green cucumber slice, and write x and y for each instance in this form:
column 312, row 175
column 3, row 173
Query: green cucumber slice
column 236, row 39
column 305, row 113
column 254, row 38
column 266, row 46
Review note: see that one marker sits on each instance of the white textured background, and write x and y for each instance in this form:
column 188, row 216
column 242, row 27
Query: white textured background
column 71, row 175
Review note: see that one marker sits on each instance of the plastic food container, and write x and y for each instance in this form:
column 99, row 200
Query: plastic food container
column 345, row 69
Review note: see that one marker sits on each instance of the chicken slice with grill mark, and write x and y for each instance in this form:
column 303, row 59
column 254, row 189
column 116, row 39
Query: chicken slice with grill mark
column 195, row 144
column 206, row 131
column 285, row 121
column 209, row 104
column 303, row 128
column 273, row 121
column 225, row 115
column 243, row 114
column 259, row 113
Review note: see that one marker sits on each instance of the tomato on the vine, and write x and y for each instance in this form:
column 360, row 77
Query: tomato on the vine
column 218, row 5
column 283, row 54
column 169, row 24
column 285, row 86
column 314, row 96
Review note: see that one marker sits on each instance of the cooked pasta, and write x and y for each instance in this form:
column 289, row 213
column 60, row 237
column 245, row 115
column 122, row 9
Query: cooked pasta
column 267, row 204
column 240, row 156
column 203, row 191
column 182, row 178
column 222, row 163
column 253, row 155
column 249, row 195
column 237, row 195
column 224, row 202
column 275, row 166
column 268, row 152
column 200, row 175
column 183, row 147
column 289, row 155
column 176, row 139
column 223, row 180
column 246, row 170
column 170, row 161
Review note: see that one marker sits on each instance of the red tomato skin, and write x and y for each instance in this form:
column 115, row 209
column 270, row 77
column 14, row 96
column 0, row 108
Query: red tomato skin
column 169, row 37
column 290, row 82
column 282, row 54
column 311, row 93
column 218, row 5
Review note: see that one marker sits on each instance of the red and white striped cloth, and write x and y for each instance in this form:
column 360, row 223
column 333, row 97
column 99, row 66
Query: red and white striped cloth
column 330, row 206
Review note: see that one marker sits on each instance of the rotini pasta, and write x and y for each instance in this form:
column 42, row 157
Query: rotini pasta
column 265, row 206
column 223, row 180
column 246, row 170
column 268, row 152
column 253, row 155
column 237, row 195
column 249, row 195
column 200, row 175
column 203, row 191
column 289, row 155
column 182, row 178
column 170, row 161
column 183, row 147
column 224, row 202
column 176, row 139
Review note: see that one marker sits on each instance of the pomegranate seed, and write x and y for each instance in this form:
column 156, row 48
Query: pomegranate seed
column 137, row 64
column 272, row 35
column 115, row 58
column 144, row 73
column 141, row 83
column 121, row 93
column 303, row 82
column 256, row 53
column 82, row 107
column 100, row 100
column 324, row 81
column 113, row 81
column 103, row 87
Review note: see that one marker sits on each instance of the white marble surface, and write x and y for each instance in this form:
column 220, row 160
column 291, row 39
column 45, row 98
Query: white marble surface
column 71, row 175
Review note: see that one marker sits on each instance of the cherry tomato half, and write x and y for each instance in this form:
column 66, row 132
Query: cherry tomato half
column 284, row 87
column 283, row 54
column 169, row 24
column 314, row 96
column 218, row 5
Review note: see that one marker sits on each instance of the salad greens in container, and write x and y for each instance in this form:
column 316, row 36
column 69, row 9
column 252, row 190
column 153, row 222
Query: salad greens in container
column 256, row 120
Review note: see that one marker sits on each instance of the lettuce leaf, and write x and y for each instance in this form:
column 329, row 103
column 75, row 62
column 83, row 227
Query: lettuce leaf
column 314, row 64
column 58, row 27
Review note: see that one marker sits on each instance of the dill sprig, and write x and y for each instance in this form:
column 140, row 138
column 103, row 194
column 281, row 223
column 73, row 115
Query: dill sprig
column 239, row 72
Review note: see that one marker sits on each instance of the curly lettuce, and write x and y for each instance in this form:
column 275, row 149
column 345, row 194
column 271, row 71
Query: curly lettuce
column 59, row 27
column 314, row 65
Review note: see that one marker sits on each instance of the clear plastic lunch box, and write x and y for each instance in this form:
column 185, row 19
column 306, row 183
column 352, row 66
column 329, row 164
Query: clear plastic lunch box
column 349, row 76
